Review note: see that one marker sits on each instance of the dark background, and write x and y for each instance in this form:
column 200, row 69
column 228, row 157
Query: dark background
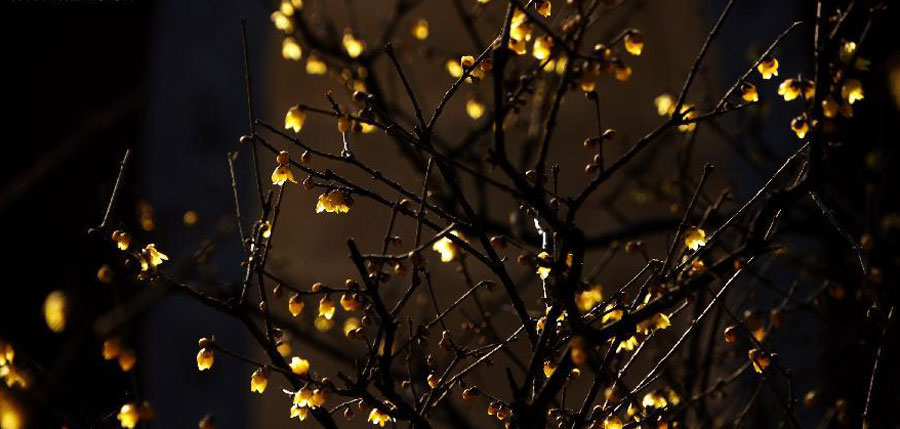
column 86, row 80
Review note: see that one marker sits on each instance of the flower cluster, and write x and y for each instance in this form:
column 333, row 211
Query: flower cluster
column 489, row 261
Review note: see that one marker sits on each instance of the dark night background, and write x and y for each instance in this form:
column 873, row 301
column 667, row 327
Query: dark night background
column 85, row 80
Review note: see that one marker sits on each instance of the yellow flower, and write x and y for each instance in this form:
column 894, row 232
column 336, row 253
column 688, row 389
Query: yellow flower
column 326, row 307
column 544, row 8
column 454, row 68
column 760, row 334
column 8, row 372
column 848, row 49
column 155, row 257
column 319, row 398
column 518, row 46
column 128, row 415
column 789, row 89
column 13, row 376
column 634, row 42
column 151, row 258
column 295, row 305
column 760, row 360
column 698, row 266
column 673, row 397
column 447, row 248
column 602, row 51
column 259, row 380
column 474, row 108
column 467, row 62
column 315, row 66
column 290, row 49
column 852, row 91
column 768, row 67
column 367, row 127
column 122, row 239
column 549, row 368
column 542, row 47
column 323, row 324
column 266, row 228
column 623, row 73
column 419, row 29
column 612, row 422
column 55, row 310
column 205, row 359
column 303, row 397
column 612, row 315
column 588, row 79
column 282, row 21
column 665, row 104
column 634, row 412
column 334, row 201
column 349, row 302
column 7, row 353
column 694, row 238
column 809, row 89
column 127, row 359
column 561, row 62
column 589, row 298
column 286, row 8
column 654, row 399
column 299, row 366
column 11, row 415
column 299, row 412
column 520, row 29
column 294, row 119
column 352, row 45
column 350, row 325
column 628, row 345
column 653, row 323
column 380, row 418
column 282, row 172
column 550, row 66
column 691, row 114
column 542, row 271
column 800, row 126
column 344, row 124
column 749, row 93
column 111, row 349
